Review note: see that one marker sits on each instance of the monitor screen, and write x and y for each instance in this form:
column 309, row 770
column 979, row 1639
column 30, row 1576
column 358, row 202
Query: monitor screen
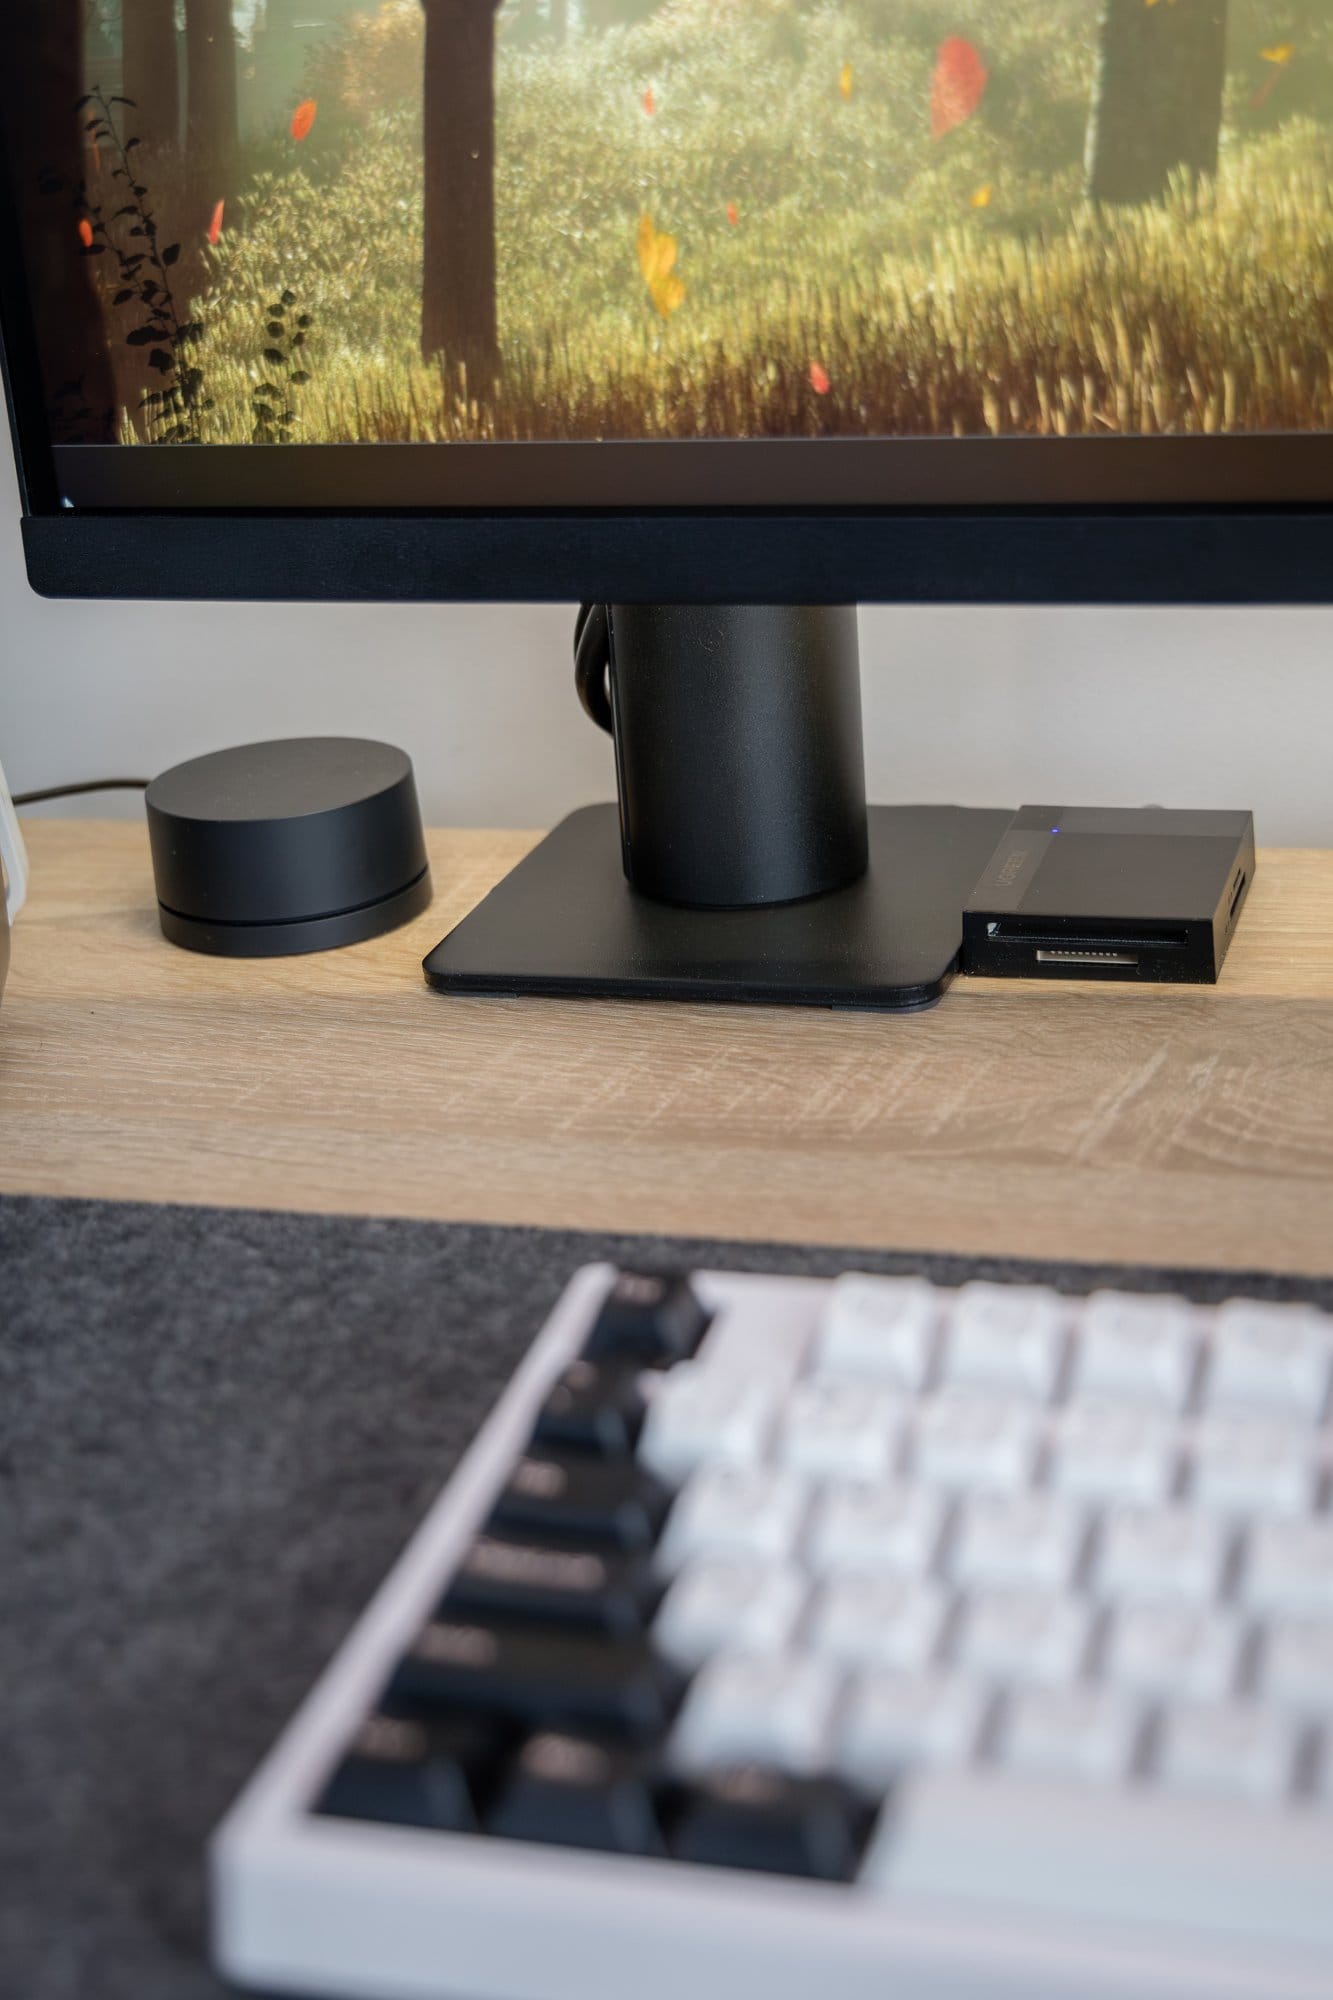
column 375, row 252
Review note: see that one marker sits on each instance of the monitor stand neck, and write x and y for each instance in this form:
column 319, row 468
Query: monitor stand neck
column 739, row 758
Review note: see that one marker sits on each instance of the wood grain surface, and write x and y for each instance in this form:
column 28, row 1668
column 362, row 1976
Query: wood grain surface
column 1168, row 1124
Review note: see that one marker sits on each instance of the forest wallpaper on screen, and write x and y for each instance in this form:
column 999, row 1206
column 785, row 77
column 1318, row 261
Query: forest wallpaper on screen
column 279, row 221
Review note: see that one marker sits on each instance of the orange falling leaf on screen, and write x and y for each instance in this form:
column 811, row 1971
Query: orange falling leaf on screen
column 303, row 119
column 86, row 233
column 215, row 226
column 983, row 196
column 958, row 85
column 733, row 214
column 847, row 82
column 1279, row 56
column 649, row 102
column 819, row 379
column 657, row 261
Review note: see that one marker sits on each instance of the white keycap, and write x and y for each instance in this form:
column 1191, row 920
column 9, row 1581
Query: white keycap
column 1008, row 1337
column 1267, row 1357
column 698, row 1417
column 757, row 1708
column 1077, row 1732
column 1128, row 1858
column 1161, row 1552
column 1016, row 1540
column 835, row 1428
column 879, row 1327
column 1024, row 1636
column 891, row 1722
column 1296, row 1666
column 1172, row 1649
column 1113, row 1451
column 1243, row 1465
column 1137, row 1348
column 1289, row 1567
column 735, row 1510
column 1227, row 1747
column 963, row 1438
column 754, row 1341
column 869, row 1620
column 887, row 1525
column 745, row 1606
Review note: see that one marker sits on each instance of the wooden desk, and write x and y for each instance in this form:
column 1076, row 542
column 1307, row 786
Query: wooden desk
column 1173, row 1124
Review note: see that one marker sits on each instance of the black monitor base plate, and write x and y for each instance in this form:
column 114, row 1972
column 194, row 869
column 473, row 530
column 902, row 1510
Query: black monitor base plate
column 566, row 924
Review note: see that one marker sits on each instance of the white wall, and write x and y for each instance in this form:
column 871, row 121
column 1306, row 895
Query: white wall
column 1221, row 708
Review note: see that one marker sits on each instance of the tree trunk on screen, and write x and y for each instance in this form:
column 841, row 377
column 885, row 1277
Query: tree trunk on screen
column 458, row 294
column 212, row 130
column 1157, row 100
column 41, row 80
column 151, row 72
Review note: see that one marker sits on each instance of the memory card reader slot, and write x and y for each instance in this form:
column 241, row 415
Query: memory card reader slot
column 1114, row 940
column 1067, row 955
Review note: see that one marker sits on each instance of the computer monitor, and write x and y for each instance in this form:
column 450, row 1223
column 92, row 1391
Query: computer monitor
column 680, row 309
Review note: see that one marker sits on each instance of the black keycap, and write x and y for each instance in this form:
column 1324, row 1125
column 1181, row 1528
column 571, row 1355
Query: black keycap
column 647, row 1317
column 758, row 1819
column 409, row 1772
column 592, row 1409
column 525, row 1581
column 539, row 1678
column 606, row 1502
column 571, row 1791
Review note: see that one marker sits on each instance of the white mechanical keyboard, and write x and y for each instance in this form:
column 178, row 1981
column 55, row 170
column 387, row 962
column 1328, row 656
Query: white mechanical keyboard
column 779, row 1637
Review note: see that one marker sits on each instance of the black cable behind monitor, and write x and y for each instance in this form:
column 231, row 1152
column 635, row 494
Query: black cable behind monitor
column 592, row 663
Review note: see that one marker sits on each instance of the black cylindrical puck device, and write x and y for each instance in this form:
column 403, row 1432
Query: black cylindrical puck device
column 296, row 846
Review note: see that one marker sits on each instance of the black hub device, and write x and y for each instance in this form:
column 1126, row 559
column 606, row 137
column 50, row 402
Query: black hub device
column 742, row 863
column 1079, row 892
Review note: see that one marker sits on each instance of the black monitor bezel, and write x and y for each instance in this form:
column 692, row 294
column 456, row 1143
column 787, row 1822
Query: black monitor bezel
column 1131, row 556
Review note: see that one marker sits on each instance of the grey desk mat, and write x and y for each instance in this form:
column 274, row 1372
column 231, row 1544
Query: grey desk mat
column 217, row 1430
